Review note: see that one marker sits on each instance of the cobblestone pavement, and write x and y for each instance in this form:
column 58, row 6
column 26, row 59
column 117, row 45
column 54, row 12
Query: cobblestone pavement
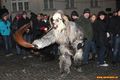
column 15, row 67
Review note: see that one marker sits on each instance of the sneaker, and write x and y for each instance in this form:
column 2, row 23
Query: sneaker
column 10, row 54
column 24, row 57
column 30, row 56
column 105, row 62
column 104, row 65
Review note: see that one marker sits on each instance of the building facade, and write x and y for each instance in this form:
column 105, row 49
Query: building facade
column 0, row 3
column 118, row 4
column 49, row 6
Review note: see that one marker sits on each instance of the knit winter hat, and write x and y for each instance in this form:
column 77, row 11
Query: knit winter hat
column 5, row 14
column 74, row 13
column 86, row 10
column 101, row 13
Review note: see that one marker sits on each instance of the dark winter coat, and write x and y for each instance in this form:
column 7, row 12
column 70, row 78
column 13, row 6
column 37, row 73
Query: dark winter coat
column 117, row 29
column 86, row 26
column 23, row 21
column 112, row 25
column 94, row 30
column 36, row 25
column 15, row 24
column 100, row 32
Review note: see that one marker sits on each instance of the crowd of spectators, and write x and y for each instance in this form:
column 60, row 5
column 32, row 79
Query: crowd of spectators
column 101, row 33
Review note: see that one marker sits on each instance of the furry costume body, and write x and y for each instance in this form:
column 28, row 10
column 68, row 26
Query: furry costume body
column 67, row 35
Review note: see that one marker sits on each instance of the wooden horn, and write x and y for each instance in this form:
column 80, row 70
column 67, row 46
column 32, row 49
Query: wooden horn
column 18, row 36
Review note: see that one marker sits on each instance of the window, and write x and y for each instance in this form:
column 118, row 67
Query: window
column 45, row 4
column 14, row 6
column 48, row 4
column 26, row 6
column 70, row 4
column 20, row 5
column 94, row 3
column 5, row 0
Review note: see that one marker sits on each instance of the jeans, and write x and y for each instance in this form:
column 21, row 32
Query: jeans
column 101, row 54
column 20, row 49
column 7, row 43
column 89, row 45
column 116, row 50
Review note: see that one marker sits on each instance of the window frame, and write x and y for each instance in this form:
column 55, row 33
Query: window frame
column 69, row 4
column 94, row 3
column 17, row 5
column 47, row 5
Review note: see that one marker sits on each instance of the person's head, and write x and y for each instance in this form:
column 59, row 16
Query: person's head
column 3, row 7
column 57, row 18
column 114, row 13
column 18, row 16
column 86, row 13
column 101, row 15
column 74, row 15
column 93, row 17
column 5, row 16
column 24, row 14
column 40, row 16
column 45, row 17
column 118, row 12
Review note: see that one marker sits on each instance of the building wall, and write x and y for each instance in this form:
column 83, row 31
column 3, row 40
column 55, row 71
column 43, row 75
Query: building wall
column 6, row 3
column 80, row 5
column 0, row 3
column 37, row 6
column 118, row 4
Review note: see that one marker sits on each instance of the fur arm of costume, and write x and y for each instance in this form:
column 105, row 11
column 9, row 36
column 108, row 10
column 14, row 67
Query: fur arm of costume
column 75, row 33
column 45, row 41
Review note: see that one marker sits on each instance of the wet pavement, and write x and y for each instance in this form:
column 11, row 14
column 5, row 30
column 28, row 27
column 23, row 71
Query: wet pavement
column 15, row 67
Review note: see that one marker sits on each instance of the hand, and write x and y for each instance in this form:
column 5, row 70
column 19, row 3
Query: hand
column 28, row 30
column 108, row 35
column 35, row 46
column 45, row 29
column 117, row 35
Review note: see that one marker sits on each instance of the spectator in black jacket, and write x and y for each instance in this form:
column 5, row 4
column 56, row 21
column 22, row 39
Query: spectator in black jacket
column 84, row 22
column 37, row 24
column 15, row 27
column 74, row 16
column 22, row 21
column 93, row 19
column 101, row 38
column 116, row 37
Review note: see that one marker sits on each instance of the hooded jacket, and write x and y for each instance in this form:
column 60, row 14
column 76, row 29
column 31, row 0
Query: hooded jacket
column 5, row 27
